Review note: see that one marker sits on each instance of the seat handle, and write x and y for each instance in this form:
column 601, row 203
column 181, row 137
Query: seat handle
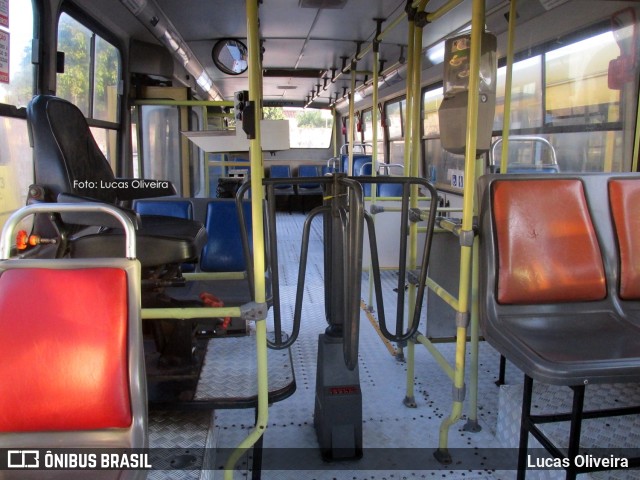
column 6, row 239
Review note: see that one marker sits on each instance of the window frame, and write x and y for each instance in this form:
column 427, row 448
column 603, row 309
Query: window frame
column 98, row 30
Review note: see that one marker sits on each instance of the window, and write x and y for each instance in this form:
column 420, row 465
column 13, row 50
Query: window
column 577, row 91
column 431, row 101
column 92, row 71
column 441, row 166
column 566, row 96
column 16, row 89
column 367, row 124
column 394, row 115
column 526, row 95
column 308, row 127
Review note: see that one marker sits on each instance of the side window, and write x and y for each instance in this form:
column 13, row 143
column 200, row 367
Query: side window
column 92, row 72
column 526, row 95
column 16, row 69
column 394, row 114
column 367, row 123
column 16, row 90
column 440, row 167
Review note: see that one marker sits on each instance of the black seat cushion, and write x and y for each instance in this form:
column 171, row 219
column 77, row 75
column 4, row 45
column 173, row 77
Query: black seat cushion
column 159, row 241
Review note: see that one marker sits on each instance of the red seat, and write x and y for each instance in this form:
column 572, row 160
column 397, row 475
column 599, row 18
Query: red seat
column 624, row 198
column 548, row 288
column 72, row 359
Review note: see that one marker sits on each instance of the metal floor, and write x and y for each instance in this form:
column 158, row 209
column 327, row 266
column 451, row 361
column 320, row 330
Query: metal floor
column 398, row 441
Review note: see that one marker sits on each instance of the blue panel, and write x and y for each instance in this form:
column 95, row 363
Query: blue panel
column 223, row 251
column 534, row 170
column 390, row 190
column 281, row 171
column 177, row 208
column 361, row 165
column 308, row 171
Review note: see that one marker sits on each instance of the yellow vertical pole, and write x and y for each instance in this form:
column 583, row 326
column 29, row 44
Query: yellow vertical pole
column 408, row 116
column 408, row 102
column 477, row 28
column 352, row 111
column 415, row 61
column 506, row 126
column 472, row 424
column 374, row 119
column 184, row 152
column 335, row 130
column 257, row 172
column 374, row 153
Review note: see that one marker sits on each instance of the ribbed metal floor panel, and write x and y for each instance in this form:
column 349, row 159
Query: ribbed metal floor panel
column 180, row 442
column 229, row 369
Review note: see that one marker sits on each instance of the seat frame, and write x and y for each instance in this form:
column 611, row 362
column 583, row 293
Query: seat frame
column 135, row 436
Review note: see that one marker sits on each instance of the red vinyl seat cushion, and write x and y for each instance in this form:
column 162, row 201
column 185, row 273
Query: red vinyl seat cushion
column 547, row 254
column 63, row 342
column 624, row 198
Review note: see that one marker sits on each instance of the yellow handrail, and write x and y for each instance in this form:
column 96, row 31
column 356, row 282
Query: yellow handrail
column 506, row 126
column 257, row 172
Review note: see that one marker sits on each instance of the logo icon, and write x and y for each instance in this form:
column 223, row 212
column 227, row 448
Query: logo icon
column 23, row 459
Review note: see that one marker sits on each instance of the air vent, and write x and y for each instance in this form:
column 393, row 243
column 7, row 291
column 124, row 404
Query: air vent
column 287, row 87
column 335, row 4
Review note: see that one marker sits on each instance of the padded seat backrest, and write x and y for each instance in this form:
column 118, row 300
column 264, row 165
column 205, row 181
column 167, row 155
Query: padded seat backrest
column 309, row 171
column 169, row 208
column 389, row 190
column 359, row 160
column 280, row 171
column 362, row 165
column 223, row 251
column 66, row 154
column 72, row 357
column 547, row 248
column 624, row 199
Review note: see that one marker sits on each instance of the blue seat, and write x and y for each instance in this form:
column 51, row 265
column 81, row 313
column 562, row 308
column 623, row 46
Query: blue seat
column 223, row 251
column 283, row 189
column 170, row 208
column 360, row 162
column 281, row 171
column 390, row 190
column 309, row 188
column 361, row 167
column 327, row 170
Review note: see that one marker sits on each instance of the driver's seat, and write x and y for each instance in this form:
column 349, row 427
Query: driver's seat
column 70, row 167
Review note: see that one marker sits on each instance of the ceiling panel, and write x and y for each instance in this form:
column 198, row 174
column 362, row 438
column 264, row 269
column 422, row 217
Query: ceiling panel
column 294, row 37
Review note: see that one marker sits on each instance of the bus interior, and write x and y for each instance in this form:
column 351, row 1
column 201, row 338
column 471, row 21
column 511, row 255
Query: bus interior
column 347, row 239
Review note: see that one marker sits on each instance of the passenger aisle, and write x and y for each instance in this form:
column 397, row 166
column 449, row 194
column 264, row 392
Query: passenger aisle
column 393, row 434
column 398, row 441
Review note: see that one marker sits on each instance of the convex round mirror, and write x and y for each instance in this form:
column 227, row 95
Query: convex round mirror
column 230, row 56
